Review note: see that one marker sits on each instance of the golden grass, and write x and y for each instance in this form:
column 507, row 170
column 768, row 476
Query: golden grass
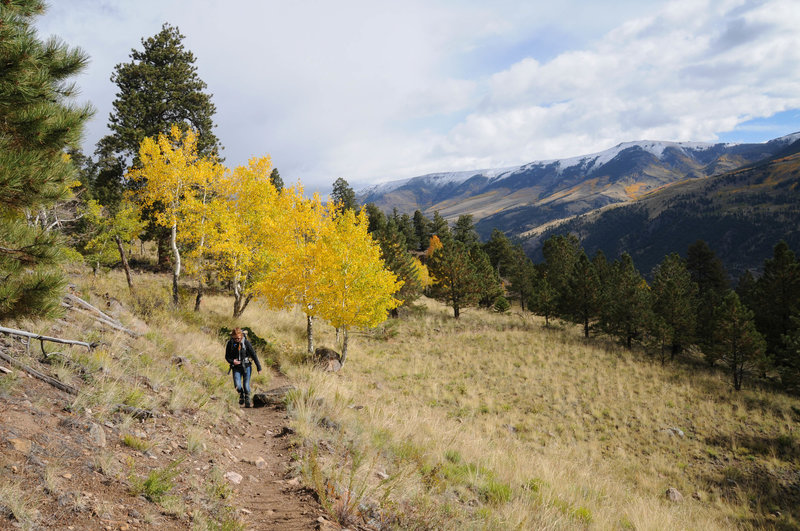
column 493, row 421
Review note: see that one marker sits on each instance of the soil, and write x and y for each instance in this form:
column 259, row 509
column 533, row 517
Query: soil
column 70, row 480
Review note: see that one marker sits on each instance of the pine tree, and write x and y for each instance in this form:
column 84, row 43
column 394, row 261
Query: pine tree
column 488, row 283
column 158, row 89
column 464, row 230
column 401, row 263
column 739, row 344
column 501, row 253
column 582, row 297
column 376, row 218
column 708, row 273
column 422, row 229
column 522, row 274
column 343, row 195
column 675, row 301
column 37, row 124
column 778, row 295
column 629, row 306
column 454, row 277
column 440, row 228
column 544, row 299
column 406, row 227
column 560, row 256
column 275, row 179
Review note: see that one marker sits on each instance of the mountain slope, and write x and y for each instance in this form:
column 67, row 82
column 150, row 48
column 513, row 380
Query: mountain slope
column 521, row 198
column 742, row 214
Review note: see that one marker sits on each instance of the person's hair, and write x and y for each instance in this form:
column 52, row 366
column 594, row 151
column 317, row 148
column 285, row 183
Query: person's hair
column 237, row 332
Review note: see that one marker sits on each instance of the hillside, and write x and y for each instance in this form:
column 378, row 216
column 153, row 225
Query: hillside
column 742, row 214
column 492, row 421
column 518, row 199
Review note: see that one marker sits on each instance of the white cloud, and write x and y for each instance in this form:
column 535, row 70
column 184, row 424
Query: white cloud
column 373, row 90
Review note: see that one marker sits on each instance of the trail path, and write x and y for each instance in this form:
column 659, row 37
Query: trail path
column 268, row 498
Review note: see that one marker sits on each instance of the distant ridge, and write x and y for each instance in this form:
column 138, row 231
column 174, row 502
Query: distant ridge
column 521, row 198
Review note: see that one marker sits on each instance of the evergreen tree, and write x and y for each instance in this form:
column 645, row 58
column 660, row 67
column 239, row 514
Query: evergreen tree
column 376, row 219
column 777, row 299
column 582, row 297
column 406, row 226
column 157, row 89
column 275, row 179
column 544, row 299
column 739, row 344
column 790, row 371
column 522, row 274
column 629, row 309
column 501, row 253
column 560, row 256
column 422, row 229
column 489, row 286
column 707, row 272
column 455, row 280
column 343, row 195
column 400, row 262
column 440, row 228
column 464, row 230
column 38, row 123
column 674, row 301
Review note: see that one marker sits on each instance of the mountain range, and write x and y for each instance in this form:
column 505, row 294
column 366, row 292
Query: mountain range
column 525, row 198
column 647, row 198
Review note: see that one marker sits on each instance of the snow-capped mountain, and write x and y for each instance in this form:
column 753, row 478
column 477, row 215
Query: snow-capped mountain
column 518, row 199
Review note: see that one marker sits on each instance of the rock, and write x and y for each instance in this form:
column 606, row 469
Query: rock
column 260, row 463
column 673, row 432
column 295, row 481
column 273, row 397
column 180, row 361
column 21, row 445
column 329, row 424
column 97, row 435
column 245, row 511
column 233, row 477
column 381, row 474
column 327, row 359
column 5, row 370
column 66, row 475
column 286, row 430
column 673, row 495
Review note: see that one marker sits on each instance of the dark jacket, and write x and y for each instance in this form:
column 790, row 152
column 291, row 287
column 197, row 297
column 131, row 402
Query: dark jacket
column 245, row 354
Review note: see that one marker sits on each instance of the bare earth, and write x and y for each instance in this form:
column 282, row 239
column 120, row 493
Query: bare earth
column 70, row 480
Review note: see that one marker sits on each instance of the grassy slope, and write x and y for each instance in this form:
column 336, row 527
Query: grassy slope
column 493, row 421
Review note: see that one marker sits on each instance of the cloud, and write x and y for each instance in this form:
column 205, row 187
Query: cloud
column 374, row 91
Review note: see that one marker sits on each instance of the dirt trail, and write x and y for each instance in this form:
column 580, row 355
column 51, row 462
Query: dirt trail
column 268, row 499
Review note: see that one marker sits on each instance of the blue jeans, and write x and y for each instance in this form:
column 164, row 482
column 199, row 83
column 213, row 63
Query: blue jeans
column 242, row 373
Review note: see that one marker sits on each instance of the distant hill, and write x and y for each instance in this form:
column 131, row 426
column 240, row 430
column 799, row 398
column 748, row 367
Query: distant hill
column 520, row 199
column 742, row 214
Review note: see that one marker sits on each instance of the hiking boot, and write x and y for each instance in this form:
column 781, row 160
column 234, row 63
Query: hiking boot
column 247, row 402
column 241, row 398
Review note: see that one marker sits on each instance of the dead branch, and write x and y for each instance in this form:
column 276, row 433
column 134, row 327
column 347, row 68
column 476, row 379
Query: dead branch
column 101, row 320
column 36, row 374
column 81, row 302
column 42, row 339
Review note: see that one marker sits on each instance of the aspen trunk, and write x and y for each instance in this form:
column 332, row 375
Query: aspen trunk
column 310, row 330
column 344, row 345
column 176, row 269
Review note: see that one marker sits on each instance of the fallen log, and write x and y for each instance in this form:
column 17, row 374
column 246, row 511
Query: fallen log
column 78, row 300
column 136, row 412
column 36, row 374
column 42, row 339
column 101, row 320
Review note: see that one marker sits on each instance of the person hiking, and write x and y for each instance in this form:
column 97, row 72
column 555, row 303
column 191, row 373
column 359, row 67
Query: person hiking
column 239, row 353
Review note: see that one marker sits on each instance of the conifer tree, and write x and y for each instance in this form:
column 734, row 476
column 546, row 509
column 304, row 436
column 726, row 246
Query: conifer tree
column 38, row 123
column 401, row 263
column 501, row 253
column 376, row 219
column 560, row 256
column 582, row 297
column 406, row 227
column 464, row 230
column 544, row 299
column 439, row 227
column 275, row 179
column 777, row 299
column 488, row 283
column 454, row 277
column 675, row 301
column 522, row 274
column 708, row 273
column 343, row 195
column 740, row 345
column 158, row 89
column 629, row 306
column 422, row 229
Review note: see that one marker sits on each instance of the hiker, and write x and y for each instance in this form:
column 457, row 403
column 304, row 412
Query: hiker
column 239, row 353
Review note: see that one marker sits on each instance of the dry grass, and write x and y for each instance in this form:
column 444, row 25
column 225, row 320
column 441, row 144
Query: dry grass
column 493, row 421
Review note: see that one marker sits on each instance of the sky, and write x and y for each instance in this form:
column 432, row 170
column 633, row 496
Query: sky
column 377, row 90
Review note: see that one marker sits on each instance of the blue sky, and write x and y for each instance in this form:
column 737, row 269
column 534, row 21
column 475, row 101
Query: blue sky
column 374, row 91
